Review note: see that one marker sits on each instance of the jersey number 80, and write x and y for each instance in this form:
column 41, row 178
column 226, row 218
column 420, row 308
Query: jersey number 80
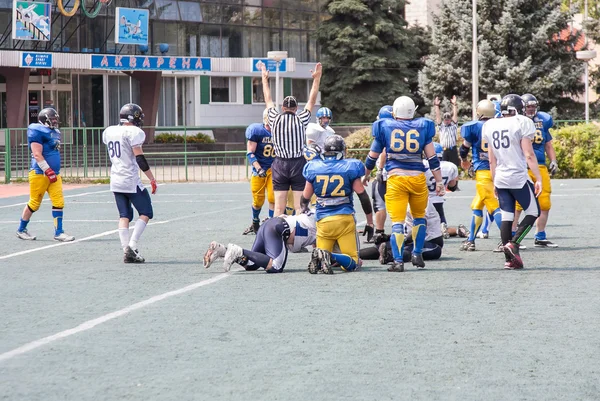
column 114, row 149
column 400, row 141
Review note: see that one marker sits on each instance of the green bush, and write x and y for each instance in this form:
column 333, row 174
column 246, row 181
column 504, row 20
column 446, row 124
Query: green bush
column 168, row 137
column 577, row 151
column 360, row 139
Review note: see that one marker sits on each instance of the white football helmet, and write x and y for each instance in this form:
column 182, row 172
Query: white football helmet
column 404, row 107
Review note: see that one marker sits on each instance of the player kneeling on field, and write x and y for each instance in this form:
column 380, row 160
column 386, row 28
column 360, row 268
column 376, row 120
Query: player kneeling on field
column 334, row 179
column 274, row 239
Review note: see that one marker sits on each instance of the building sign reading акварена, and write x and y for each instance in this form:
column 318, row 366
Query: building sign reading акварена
column 150, row 63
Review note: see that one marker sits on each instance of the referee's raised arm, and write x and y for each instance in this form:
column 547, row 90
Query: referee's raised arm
column 288, row 131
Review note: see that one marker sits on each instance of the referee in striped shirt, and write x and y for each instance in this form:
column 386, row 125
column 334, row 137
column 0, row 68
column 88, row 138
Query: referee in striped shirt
column 448, row 131
column 288, row 133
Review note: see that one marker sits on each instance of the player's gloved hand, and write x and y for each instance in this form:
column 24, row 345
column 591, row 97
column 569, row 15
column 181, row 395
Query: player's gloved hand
column 154, row 186
column 261, row 173
column 51, row 174
column 553, row 167
column 379, row 177
column 368, row 231
column 471, row 171
column 380, row 238
column 440, row 190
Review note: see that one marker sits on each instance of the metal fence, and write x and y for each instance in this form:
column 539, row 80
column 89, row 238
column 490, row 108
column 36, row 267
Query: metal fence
column 84, row 157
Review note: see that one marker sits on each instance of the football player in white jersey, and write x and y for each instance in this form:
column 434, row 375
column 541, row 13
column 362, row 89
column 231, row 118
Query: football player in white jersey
column 124, row 143
column 510, row 151
column 274, row 239
column 450, row 180
column 317, row 133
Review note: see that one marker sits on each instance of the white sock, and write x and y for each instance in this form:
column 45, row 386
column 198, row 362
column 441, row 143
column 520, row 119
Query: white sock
column 140, row 226
column 124, row 236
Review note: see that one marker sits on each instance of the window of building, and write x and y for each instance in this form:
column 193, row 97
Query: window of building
column 190, row 11
column 253, row 16
column 223, row 90
column 166, row 104
column 301, row 89
column 185, row 101
column 257, row 91
column 167, row 10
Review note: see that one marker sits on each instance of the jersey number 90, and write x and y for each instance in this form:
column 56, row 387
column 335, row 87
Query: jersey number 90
column 399, row 141
column 114, row 149
column 326, row 180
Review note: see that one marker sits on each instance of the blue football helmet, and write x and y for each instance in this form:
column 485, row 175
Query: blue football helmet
column 385, row 112
column 439, row 150
column 532, row 105
column 324, row 112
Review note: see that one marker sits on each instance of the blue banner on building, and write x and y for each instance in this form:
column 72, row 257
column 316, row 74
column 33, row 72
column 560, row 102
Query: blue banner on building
column 150, row 63
column 271, row 65
column 131, row 26
column 36, row 60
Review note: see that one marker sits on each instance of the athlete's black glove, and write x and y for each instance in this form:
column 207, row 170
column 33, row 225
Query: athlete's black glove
column 368, row 231
column 261, row 173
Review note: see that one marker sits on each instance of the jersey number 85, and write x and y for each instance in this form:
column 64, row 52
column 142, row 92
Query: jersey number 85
column 400, row 141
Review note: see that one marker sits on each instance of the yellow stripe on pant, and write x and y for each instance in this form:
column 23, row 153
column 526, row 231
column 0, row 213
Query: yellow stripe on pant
column 39, row 184
column 340, row 228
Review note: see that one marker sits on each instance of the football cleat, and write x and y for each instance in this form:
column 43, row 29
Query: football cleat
column 462, row 231
column 445, row 233
column 314, row 266
column 543, row 243
column 233, row 255
column 385, row 254
column 467, row 246
column 252, row 229
column 397, row 267
column 62, row 237
column 417, row 260
column 25, row 235
column 511, row 250
column 215, row 251
column 132, row 256
column 325, row 259
column 499, row 248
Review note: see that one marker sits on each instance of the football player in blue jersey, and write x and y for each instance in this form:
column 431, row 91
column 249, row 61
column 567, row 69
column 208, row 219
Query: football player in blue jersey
column 334, row 180
column 404, row 139
column 542, row 146
column 43, row 139
column 260, row 155
column 471, row 133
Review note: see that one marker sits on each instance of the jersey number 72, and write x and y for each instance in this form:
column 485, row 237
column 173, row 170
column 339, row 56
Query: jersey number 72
column 326, row 180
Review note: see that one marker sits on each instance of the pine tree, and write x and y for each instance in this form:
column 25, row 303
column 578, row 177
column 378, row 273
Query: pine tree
column 369, row 57
column 520, row 51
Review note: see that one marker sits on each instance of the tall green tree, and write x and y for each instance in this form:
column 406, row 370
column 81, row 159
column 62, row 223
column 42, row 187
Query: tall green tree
column 369, row 56
column 521, row 50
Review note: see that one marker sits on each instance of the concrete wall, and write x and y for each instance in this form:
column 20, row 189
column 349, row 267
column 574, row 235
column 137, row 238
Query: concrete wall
column 420, row 12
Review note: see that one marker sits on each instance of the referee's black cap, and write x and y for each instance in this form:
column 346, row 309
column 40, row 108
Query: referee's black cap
column 290, row 102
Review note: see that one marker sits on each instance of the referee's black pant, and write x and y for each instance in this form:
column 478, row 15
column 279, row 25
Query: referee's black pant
column 451, row 155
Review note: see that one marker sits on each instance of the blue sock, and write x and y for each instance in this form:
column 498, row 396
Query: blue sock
column 397, row 241
column 419, row 231
column 346, row 262
column 485, row 228
column 475, row 224
column 497, row 215
column 541, row 235
column 23, row 225
column 57, row 215
column 271, row 212
column 255, row 214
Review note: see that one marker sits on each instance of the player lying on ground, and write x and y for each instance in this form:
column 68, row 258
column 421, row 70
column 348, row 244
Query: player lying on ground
column 274, row 239
column 432, row 247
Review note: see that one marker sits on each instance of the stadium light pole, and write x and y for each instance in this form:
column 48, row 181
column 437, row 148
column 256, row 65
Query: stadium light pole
column 277, row 56
column 475, row 64
column 586, row 56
